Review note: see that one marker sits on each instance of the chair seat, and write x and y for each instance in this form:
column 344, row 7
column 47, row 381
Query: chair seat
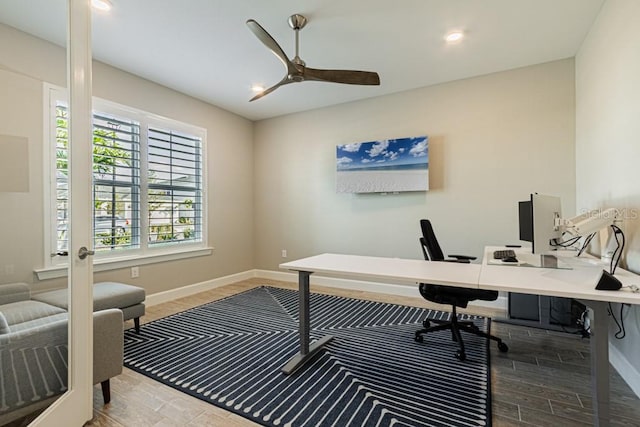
column 452, row 295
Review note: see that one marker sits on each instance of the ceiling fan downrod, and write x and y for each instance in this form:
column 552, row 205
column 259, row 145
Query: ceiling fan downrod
column 297, row 22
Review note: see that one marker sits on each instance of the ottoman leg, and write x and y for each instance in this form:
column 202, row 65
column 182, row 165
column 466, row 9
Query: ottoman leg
column 106, row 391
column 136, row 322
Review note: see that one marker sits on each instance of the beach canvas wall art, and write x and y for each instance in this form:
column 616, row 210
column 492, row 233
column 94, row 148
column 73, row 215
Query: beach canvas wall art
column 385, row 166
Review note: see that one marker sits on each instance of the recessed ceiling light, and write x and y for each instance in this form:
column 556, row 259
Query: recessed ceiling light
column 454, row 36
column 257, row 88
column 104, row 5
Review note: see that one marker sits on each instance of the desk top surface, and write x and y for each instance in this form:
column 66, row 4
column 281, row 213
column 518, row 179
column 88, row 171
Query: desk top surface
column 393, row 269
column 578, row 282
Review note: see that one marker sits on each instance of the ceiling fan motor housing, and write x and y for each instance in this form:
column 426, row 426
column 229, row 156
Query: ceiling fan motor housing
column 297, row 21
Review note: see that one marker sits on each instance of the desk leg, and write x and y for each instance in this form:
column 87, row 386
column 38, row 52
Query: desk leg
column 600, row 363
column 306, row 350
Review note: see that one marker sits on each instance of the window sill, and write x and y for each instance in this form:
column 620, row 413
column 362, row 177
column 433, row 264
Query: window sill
column 124, row 262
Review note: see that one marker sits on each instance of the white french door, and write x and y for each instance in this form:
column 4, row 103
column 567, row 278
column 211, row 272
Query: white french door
column 74, row 407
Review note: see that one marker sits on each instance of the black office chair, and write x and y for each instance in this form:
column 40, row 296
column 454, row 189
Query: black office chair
column 456, row 297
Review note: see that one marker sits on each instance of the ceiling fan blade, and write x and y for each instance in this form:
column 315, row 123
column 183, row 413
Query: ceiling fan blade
column 269, row 42
column 342, row 76
column 284, row 81
column 296, row 69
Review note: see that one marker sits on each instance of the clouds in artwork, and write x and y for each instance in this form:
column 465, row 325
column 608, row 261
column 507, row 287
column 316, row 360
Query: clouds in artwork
column 378, row 148
column 419, row 149
column 391, row 152
column 391, row 155
column 344, row 161
column 351, row 148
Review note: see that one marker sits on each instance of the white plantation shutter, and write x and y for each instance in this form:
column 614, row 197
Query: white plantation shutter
column 174, row 187
column 116, row 182
column 126, row 145
column 62, row 182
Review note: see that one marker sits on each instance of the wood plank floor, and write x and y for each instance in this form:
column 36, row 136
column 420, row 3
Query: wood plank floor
column 544, row 379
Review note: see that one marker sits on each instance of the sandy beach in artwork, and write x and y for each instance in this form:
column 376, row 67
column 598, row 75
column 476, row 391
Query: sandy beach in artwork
column 382, row 181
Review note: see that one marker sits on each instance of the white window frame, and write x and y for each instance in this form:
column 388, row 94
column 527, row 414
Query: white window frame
column 56, row 266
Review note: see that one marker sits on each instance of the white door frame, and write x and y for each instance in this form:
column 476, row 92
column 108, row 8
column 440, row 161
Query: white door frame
column 75, row 407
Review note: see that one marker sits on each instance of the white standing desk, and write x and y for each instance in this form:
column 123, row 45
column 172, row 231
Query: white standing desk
column 393, row 270
column 578, row 282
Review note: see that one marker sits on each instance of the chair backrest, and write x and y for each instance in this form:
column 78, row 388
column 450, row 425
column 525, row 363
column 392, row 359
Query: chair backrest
column 430, row 242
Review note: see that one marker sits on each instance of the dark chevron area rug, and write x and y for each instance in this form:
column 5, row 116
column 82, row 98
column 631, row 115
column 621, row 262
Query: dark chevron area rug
column 230, row 353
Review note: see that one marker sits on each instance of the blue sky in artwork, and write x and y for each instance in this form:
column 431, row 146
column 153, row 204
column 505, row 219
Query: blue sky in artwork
column 386, row 152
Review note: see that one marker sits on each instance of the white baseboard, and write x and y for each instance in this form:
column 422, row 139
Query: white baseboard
column 189, row 290
column 356, row 285
column 378, row 287
column 332, row 282
column 626, row 370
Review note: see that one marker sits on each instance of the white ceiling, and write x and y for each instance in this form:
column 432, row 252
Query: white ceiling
column 204, row 49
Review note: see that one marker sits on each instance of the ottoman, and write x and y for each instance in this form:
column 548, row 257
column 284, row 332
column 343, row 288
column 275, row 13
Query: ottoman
column 128, row 298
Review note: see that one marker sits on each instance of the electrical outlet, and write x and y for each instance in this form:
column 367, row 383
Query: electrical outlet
column 284, row 253
column 135, row 272
column 9, row 269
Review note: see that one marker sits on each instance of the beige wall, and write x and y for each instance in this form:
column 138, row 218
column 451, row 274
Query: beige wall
column 493, row 140
column 230, row 166
column 21, row 214
column 607, row 136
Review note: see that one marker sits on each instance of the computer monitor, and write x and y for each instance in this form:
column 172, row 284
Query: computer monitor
column 538, row 222
column 525, row 219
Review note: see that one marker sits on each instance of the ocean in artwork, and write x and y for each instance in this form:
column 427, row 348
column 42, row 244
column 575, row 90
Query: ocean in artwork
column 390, row 165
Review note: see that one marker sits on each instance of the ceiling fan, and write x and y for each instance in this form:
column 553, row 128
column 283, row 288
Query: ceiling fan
column 297, row 71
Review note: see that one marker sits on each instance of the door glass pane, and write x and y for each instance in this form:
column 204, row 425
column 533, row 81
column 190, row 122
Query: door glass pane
column 33, row 333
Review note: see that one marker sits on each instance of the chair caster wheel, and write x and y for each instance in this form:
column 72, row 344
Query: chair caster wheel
column 426, row 324
column 503, row 347
column 418, row 338
column 461, row 355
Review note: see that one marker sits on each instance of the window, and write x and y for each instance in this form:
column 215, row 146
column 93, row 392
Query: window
column 147, row 182
column 174, row 188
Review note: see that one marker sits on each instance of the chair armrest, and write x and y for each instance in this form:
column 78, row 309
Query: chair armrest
column 463, row 257
column 14, row 292
column 108, row 344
